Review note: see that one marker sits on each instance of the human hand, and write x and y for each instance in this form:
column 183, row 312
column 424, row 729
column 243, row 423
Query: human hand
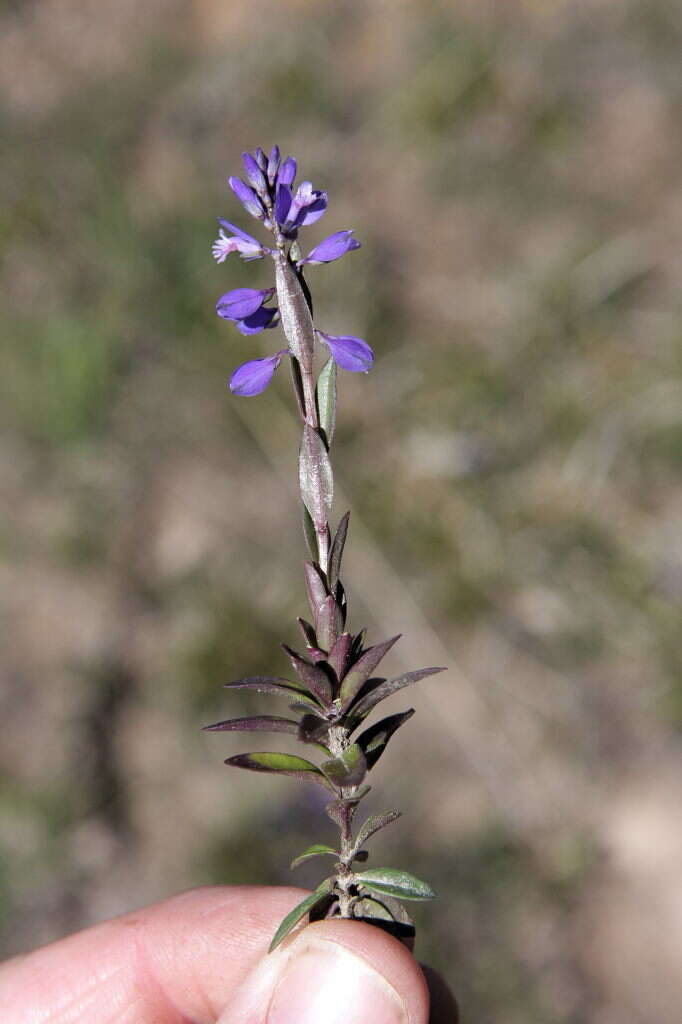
column 201, row 958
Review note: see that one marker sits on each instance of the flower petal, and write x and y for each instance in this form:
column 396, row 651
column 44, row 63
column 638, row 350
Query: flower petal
column 242, row 302
column 247, row 197
column 254, row 173
column 287, row 171
column 332, row 248
column 273, row 164
column 282, row 203
column 313, row 212
column 253, row 377
column 259, row 321
column 233, row 229
column 349, row 352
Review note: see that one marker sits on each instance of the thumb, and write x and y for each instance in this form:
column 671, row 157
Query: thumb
column 333, row 972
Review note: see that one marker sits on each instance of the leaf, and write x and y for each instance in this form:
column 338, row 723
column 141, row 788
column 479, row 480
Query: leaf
column 329, row 623
column 259, row 723
column 309, row 709
column 315, row 477
column 297, row 381
column 373, row 741
column 309, row 534
column 299, row 912
column 347, row 770
column 336, row 552
column 316, row 850
column 357, row 676
column 326, row 400
column 282, row 764
column 316, row 679
column 339, row 655
column 337, row 809
column 266, row 684
column 385, row 908
column 373, row 824
column 308, row 633
column 315, row 586
column 394, row 882
column 388, row 686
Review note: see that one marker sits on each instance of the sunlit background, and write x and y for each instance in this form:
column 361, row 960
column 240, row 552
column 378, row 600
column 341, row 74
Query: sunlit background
column 513, row 171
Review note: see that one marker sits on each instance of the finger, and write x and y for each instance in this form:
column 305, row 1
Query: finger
column 177, row 960
column 443, row 1004
column 334, row 972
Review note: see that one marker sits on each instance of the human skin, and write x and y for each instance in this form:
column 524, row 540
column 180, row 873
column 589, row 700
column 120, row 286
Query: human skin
column 201, row 958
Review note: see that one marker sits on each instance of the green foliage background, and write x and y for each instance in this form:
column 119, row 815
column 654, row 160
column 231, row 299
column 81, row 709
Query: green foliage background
column 512, row 462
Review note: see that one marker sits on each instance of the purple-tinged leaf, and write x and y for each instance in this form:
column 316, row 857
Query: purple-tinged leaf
column 297, row 381
column 373, row 741
column 326, row 400
column 394, row 882
column 258, row 723
column 280, row 764
column 242, row 302
column 389, row 686
column 357, row 676
column 347, row 770
column 287, row 171
column 340, row 595
column 315, row 586
column 253, row 377
column 315, row 477
column 262, row 320
column 308, row 633
column 336, row 553
column 309, row 709
column 254, row 174
column 279, row 688
column 332, row 248
column 339, row 655
column 329, row 623
column 248, row 198
column 344, row 809
column 313, row 730
column 309, row 533
column 358, row 642
column 374, row 824
column 299, row 912
column 314, row 678
column 316, row 850
column 348, row 352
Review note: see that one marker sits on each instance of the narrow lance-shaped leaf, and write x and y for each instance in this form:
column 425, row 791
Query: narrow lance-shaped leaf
column 316, row 850
column 326, row 400
column 297, row 381
column 315, row 587
column 299, row 912
column 316, row 679
column 394, row 882
column 340, row 654
column 336, row 553
column 282, row 764
column 259, row 723
column 374, row 824
column 393, row 910
column 308, row 632
column 309, row 534
column 315, row 477
column 347, row 770
column 373, row 741
column 328, row 623
column 388, row 686
column 357, row 676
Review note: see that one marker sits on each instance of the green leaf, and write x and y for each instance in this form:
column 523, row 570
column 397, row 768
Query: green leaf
column 299, row 912
column 373, row 741
column 394, row 882
column 373, row 824
column 282, row 764
column 336, row 551
column 315, row 476
column 385, row 908
column 347, row 770
column 357, row 676
column 389, row 686
column 326, row 400
column 316, row 850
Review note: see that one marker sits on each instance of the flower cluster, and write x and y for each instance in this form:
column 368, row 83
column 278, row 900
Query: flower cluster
column 270, row 196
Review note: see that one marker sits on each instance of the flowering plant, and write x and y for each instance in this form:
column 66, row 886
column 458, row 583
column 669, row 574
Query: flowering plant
column 335, row 687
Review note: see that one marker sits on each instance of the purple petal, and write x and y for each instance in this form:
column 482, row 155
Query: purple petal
column 332, row 248
column 259, row 321
column 273, row 164
column 253, row 377
column 242, row 302
column 237, row 231
column 254, row 173
column 282, row 203
column 247, row 197
column 348, row 352
column 287, row 171
column 248, row 248
column 313, row 212
column 260, row 158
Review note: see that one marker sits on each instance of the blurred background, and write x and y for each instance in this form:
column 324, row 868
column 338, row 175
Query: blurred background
column 512, row 463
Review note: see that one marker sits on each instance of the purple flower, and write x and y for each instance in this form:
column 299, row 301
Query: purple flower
column 305, row 207
column 247, row 197
column 253, row 377
column 282, row 203
column 287, row 171
column 332, row 248
column 242, row 302
column 261, row 320
column 348, row 352
column 254, row 174
column 273, row 164
column 260, row 158
column 248, row 247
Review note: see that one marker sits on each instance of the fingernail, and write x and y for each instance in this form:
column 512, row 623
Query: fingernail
column 326, row 984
